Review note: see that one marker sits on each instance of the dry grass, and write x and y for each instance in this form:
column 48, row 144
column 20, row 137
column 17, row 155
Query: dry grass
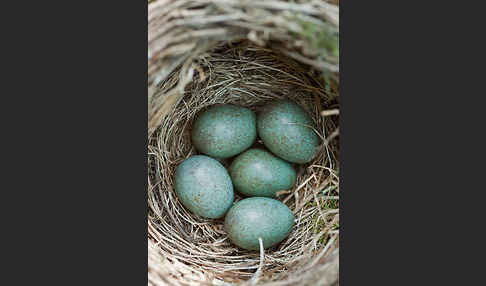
column 184, row 248
column 289, row 49
column 179, row 31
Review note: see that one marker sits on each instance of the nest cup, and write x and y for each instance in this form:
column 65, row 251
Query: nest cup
column 203, row 53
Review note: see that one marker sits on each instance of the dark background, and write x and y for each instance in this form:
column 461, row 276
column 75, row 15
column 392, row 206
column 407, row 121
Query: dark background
column 74, row 119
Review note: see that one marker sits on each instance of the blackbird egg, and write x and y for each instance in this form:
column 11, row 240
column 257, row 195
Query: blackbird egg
column 257, row 172
column 223, row 131
column 256, row 217
column 286, row 130
column 204, row 186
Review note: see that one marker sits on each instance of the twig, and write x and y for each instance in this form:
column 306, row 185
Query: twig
column 330, row 112
column 257, row 274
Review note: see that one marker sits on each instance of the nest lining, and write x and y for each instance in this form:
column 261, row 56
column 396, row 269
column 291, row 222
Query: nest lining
column 197, row 250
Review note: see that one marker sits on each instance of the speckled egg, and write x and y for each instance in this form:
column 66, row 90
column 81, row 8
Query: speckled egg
column 223, row 131
column 256, row 217
column 204, row 186
column 259, row 173
column 284, row 128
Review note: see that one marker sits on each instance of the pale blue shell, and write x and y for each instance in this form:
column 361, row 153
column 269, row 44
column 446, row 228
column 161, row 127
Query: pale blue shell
column 204, row 186
column 256, row 217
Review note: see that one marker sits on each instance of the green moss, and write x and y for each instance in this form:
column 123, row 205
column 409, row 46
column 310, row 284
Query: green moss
column 335, row 226
column 317, row 223
column 318, row 227
column 330, row 204
column 321, row 37
column 323, row 40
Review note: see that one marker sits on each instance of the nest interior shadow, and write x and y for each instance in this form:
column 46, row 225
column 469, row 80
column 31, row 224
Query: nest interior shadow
column 190, row 249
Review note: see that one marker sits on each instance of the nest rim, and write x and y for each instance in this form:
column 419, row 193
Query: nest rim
column 163, row 201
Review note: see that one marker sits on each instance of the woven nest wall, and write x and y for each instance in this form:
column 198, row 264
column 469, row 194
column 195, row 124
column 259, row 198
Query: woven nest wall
column 247, row 53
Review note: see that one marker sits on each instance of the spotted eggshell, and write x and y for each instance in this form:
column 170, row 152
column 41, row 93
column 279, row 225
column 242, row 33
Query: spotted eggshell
column 257, row 172
column 286, row 130
column 223, row 131
column 204, row 186
column 256, row 217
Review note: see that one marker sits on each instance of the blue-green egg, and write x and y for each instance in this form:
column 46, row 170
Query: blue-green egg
column 204, row 186
column 286, row 130
column 256, row 217
column 259, row 173
column 223, row 131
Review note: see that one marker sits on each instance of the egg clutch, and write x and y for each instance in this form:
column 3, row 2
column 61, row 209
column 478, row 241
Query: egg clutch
column 206, row 188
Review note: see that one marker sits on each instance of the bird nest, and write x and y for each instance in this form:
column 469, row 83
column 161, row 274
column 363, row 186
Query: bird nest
column 203, row 53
